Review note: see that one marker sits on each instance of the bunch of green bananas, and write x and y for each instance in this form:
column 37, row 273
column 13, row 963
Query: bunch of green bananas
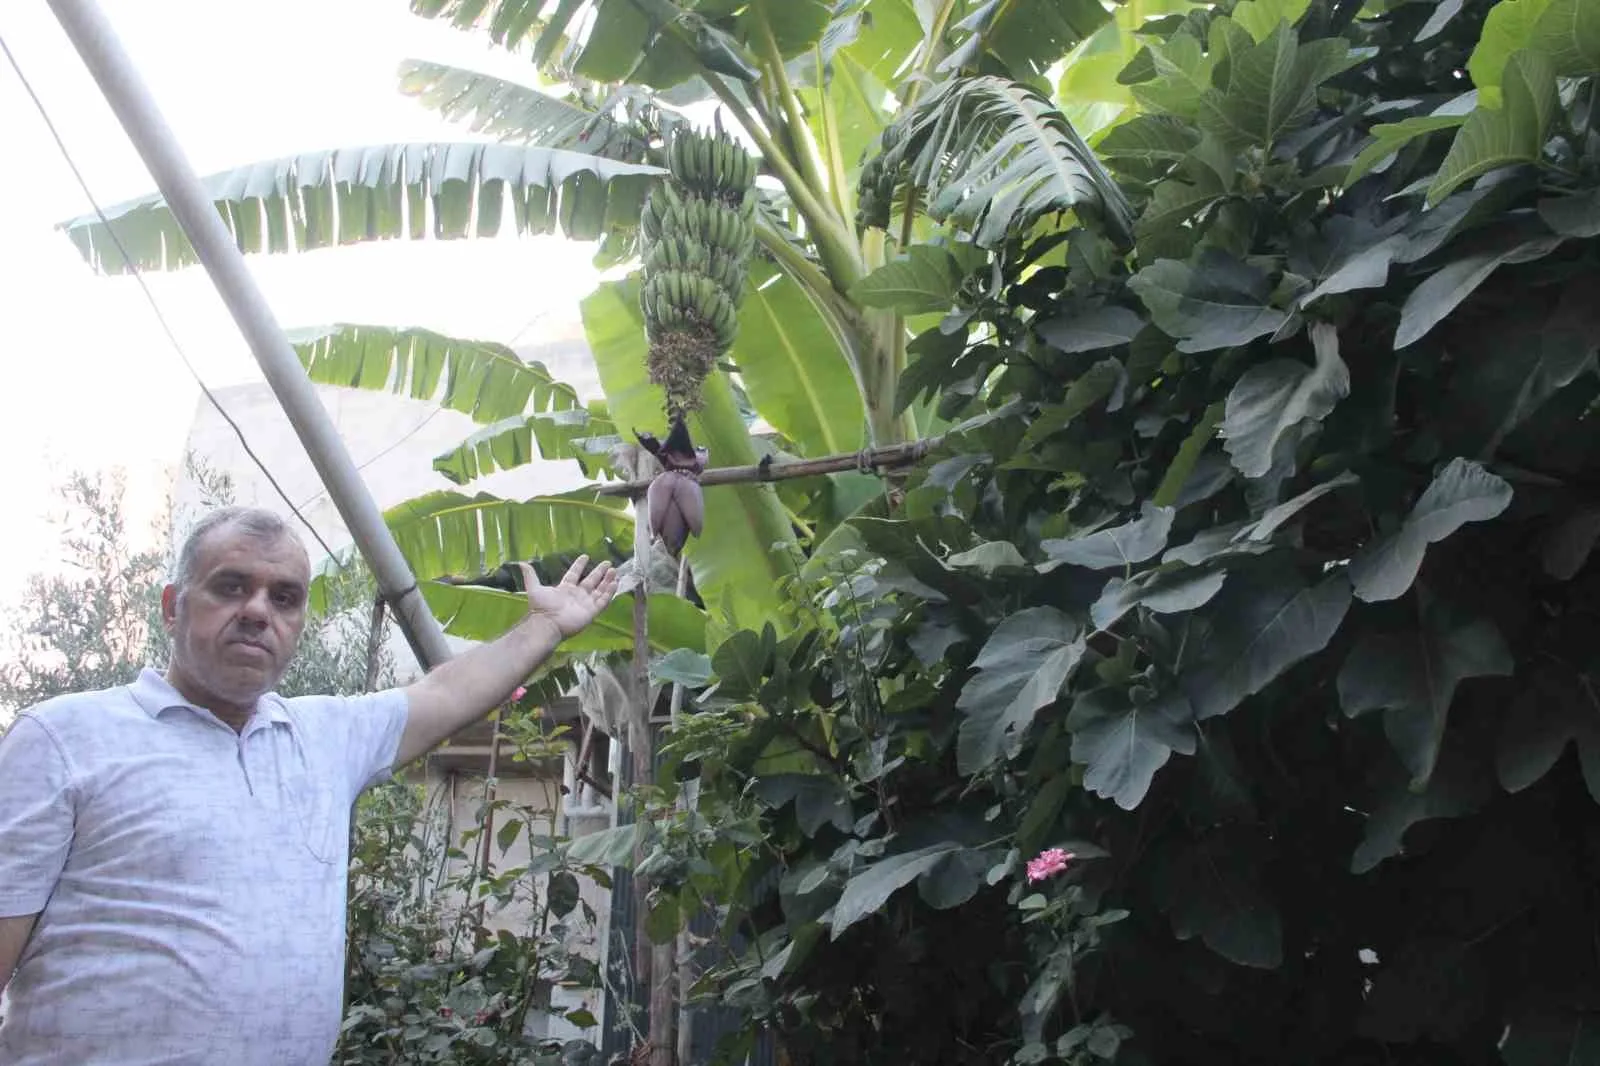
column 707, row 222
column 678, row 300
column 680, row 252
column 711, row 165
column 699, row 231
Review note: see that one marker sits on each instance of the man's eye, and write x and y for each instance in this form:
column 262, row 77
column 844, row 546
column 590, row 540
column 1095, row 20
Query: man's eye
column 287, row 599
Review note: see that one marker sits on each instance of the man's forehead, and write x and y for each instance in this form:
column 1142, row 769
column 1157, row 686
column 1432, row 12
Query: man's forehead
column 239, row 550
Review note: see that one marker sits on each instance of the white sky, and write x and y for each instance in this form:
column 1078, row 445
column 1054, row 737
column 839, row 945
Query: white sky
column 93, row 383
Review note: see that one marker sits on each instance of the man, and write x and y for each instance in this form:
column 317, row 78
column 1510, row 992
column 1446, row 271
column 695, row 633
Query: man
column 173, row 852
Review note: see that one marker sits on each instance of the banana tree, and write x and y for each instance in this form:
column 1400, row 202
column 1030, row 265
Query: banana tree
column 897, row 139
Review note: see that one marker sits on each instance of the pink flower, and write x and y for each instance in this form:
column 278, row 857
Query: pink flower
column 446, row 1012
column 516, row 697
column 1050, row 862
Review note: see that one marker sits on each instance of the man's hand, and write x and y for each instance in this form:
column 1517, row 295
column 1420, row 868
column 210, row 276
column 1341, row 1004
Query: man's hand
column 575, row 602
column 468, row 687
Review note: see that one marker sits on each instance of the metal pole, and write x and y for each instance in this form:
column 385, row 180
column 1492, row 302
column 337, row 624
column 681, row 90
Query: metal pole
column 91, row 34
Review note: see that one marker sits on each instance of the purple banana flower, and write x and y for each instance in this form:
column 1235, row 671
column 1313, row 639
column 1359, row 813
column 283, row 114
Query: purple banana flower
column 674, row 501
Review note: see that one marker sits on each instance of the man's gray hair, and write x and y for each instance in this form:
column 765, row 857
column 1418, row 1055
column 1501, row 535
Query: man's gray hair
column 252, row 521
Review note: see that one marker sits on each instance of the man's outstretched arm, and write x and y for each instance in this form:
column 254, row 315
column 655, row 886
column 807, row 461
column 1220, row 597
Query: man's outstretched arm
column 14, row 933
column 468, row 687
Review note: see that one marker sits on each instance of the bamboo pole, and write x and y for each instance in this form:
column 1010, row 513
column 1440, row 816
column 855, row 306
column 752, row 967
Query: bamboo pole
column 873, row 460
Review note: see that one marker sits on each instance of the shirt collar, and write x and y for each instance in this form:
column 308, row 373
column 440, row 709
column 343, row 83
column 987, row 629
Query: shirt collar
column 154, row 694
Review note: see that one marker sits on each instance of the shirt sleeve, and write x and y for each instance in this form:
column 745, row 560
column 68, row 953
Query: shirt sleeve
column 377, row 721
column 38, row 807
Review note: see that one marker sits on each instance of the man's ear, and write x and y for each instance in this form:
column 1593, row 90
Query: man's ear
column 169, row 606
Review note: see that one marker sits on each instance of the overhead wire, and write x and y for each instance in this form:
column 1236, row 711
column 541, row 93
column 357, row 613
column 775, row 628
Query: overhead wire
column 155, row 306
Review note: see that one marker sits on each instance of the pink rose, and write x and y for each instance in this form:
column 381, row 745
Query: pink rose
column 1050, row 862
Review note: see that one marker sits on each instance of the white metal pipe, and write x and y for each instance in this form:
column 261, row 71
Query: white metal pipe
column 92, row 35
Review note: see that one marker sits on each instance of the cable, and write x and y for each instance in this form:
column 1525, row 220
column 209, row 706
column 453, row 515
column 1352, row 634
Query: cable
column 149, row 296
column 407, row 435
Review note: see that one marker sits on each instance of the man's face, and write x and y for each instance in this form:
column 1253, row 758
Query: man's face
column 235, row 626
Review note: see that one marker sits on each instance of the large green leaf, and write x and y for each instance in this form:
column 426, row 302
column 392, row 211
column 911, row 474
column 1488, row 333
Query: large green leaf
column 1176, row 201
column 796, row 25
column 866, row 893
column 1020, row 670
column 1507, row 28
column 1507, row 135
column 1577, row 215
column 1443, row 290
column 483, row 379
column 1265, row 620
column 1103, row 327
column 1172, row 77
column 1025, row 36
column 1389, row 137
column 1457, row 787
column 1160, row 591
column 508, row 22
column 879, row 36
column 736, row 567
column 1267, row 87
column 1210, row 888
column 1117, row 547
column 515, row 112
column 793, row 369
column 1122, row 744
column 351, row 195
column 1553, row 710
column 1219, row 302
column 1509, row 369
column 448, row 533
column 992, row 156
column 925, row 280
column 483, row 614
column 1568, row 32
column 1089, row 85
column 1261, row 18
column 1412, row 677
column 630, row 41
column 1272, row 400
column 1462, row 492
column 578, row 434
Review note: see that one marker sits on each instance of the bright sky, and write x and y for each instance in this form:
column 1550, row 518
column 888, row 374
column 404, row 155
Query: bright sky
column 93, row 381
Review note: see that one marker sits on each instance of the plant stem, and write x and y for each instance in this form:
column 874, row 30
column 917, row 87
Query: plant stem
column 805, row 149
column 935, row 53
column 843, row 195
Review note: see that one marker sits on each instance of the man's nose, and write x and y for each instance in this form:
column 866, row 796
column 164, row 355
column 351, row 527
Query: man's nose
column 258, row 608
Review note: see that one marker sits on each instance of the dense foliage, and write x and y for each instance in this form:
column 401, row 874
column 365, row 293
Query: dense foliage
column 1257, row 576
column 453, row 950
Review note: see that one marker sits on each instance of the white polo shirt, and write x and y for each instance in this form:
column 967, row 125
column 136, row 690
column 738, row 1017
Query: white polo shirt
column 189, row 880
